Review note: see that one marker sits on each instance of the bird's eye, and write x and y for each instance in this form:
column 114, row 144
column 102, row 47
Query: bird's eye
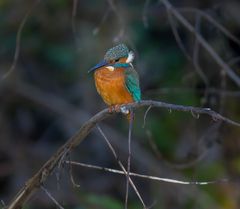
column 116, row 60
column 112, row 61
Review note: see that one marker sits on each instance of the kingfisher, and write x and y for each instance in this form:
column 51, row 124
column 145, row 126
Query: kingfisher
column 116, row 80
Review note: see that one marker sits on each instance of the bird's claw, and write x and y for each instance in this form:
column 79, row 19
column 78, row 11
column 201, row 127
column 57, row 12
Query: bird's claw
column 118, row 108
column 111, row 109
column 114, row 108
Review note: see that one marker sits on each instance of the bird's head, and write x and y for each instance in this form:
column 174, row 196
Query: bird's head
column 118, row 56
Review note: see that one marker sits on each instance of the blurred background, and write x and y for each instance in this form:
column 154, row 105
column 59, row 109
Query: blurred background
column 49, row 95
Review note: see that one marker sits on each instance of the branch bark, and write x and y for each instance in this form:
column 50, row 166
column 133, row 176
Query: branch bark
column 40, row 177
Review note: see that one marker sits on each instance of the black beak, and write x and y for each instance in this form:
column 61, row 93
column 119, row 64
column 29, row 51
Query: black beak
column 100, row 64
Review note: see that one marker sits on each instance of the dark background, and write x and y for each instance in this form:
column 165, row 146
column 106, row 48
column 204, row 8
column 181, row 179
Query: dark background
column 49, row 95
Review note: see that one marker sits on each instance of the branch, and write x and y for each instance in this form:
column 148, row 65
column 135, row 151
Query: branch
column 211, row 20
column 230, row 72
column 41, row 176
column 18, row 41
column 121, row 166
column 52, row 198
column 154, row 178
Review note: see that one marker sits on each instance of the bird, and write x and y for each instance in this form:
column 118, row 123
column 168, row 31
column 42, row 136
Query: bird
column 116, row 80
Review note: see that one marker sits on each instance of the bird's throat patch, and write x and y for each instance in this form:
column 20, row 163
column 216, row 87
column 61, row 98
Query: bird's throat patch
column 110, row 68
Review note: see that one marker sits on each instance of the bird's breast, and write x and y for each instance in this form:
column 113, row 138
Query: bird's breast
column 111, row 86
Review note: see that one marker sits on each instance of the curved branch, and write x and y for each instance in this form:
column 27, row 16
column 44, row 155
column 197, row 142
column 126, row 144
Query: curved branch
column 41, row 176
column 18, row 41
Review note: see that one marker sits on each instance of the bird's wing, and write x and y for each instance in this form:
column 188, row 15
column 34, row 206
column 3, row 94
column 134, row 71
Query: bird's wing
column 132, row 83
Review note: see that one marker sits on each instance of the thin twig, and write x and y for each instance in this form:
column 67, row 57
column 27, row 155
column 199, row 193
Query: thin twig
column 71, row 175
column 144, row 14
column 230, row 72
column 145, row 116
column 155, row 178
column 129, row 157
column 18, row 41
column 51, row 197
column 211, row 20
column 74, row 13
column 181, row 90
column 196, row 56
column 121, row 165
column 103, row 20
column 153, row 146
column 58, row 170
column 194, row 59
column 3, row 204
column 115, row 10
column 177, row 36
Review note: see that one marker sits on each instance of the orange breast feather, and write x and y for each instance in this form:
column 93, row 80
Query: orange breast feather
column 111, row 86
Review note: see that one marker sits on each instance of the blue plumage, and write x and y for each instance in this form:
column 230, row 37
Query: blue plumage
column 132, row 83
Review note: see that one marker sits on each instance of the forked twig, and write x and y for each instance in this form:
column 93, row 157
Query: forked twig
column 211, row 20
column 230, row 72
column 121, row 165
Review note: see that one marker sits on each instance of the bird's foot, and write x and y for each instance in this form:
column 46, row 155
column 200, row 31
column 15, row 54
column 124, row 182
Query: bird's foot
column 111, row 109
column 118, row 108
column 114, row 108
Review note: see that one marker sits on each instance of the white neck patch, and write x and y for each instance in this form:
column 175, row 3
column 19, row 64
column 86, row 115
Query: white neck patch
column 111, row 68
column 130, row 57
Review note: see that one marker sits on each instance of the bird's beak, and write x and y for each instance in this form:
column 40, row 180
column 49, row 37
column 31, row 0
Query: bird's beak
column 100, row 64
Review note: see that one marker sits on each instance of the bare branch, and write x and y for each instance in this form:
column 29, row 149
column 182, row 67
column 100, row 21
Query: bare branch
column 121, row 166
column 177, row 36
column 196, row 56
column 193, row 59
column 155, row 178
column 121, row 32
column 74, row 13
column 145, row 116
column 18, row 41
column 195, row 110
column 41, row 176
column 51, row 197
column 104, row 18
column 144, row 13
column 75, row 185
column 211, row 20
column 129, row 156
column 3, row 204
column 230, row 72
